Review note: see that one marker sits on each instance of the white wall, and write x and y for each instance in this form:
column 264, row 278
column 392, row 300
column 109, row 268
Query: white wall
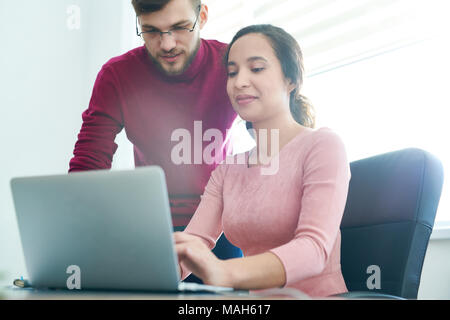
column 47, row 72
column 435, row 281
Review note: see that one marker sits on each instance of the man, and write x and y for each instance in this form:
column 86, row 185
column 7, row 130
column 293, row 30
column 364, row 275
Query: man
column 175, row 80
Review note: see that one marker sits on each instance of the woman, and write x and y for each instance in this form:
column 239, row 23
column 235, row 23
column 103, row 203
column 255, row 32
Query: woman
column 286, row 223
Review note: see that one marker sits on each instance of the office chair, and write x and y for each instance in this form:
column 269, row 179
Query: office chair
column 387, row 222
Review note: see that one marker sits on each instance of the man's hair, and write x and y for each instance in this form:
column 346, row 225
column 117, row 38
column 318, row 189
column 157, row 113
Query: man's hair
column 148, row 6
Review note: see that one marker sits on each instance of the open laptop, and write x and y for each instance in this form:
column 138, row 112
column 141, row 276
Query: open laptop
column 114, row 226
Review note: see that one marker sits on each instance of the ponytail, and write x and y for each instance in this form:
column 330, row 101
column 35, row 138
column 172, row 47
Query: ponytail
column 302, row 110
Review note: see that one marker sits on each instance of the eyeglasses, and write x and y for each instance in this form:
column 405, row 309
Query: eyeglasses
column 177, row 32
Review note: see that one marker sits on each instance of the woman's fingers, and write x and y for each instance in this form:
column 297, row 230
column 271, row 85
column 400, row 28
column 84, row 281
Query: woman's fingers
column 196, row 261
column 189, row 258
column 187, row 254
column 181, row 250
column 195, row 255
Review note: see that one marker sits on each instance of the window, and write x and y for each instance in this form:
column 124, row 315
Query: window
column 389, row 102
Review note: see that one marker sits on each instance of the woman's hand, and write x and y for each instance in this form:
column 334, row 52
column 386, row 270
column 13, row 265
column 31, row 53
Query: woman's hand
column 197, row 257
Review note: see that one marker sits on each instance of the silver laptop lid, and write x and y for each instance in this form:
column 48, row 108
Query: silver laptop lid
column 114, row 225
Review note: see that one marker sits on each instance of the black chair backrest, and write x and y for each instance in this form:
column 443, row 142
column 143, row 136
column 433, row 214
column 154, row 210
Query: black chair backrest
column 388, row 219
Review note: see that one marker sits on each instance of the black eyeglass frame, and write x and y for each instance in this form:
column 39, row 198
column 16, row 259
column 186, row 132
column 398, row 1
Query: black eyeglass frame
column 161, row 33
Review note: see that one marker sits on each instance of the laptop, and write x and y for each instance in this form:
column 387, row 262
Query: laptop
column 100, row 230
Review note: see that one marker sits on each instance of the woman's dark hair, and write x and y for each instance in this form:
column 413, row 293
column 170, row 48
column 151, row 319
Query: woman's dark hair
column 147, row 6
column 290, row 56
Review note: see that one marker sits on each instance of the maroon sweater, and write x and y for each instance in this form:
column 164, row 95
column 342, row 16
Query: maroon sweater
column 131, row 93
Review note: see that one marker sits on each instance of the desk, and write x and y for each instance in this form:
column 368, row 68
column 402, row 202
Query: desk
column 170, row 306
column 13, row 293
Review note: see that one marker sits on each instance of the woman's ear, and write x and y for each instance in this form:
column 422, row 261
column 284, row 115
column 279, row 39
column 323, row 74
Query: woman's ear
column 291, row 86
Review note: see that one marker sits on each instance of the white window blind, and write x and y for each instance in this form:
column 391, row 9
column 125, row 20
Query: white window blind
column 333, row 32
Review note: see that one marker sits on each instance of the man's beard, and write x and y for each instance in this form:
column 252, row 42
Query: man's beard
column 186, row 65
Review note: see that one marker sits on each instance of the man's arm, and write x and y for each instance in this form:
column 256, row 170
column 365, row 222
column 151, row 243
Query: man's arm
column 102, row 121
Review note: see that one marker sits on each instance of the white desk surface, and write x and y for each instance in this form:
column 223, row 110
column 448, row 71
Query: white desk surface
column 14, row 293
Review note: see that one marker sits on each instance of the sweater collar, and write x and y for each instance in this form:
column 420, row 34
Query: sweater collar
column 191, row 71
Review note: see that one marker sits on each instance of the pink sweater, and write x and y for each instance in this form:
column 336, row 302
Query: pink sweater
column 295, row 213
